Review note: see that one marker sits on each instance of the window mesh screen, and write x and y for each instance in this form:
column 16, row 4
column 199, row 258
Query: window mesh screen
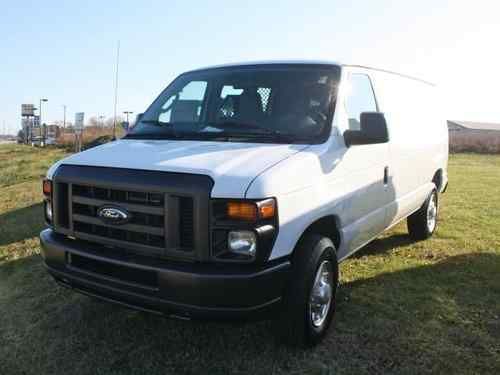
column 265, row 95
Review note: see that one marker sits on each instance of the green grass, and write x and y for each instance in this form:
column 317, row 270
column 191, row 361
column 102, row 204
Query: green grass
column 403, row 307
column 20, row 164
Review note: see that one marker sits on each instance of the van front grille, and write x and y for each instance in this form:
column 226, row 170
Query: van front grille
column 167, row 212
column 145, row 227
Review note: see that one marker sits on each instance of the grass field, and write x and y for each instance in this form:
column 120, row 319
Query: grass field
column 403, row 307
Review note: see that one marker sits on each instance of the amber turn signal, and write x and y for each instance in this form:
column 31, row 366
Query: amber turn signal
column 47, row 187
column 242, row 211
column 251, row 211
column 267, row 209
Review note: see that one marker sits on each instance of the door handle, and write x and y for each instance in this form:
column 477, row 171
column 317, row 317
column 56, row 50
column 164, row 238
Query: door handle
column 386, row 175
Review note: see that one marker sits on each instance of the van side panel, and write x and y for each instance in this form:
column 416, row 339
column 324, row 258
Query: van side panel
column 418, row 139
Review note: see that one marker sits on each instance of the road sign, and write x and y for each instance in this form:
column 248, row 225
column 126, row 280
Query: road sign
column 27, row 109
column 79, row 118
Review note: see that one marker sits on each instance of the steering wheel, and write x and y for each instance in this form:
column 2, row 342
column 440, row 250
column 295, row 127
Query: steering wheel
column 317, row 116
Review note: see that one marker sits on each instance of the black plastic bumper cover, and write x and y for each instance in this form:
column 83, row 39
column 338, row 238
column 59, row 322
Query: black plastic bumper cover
column 190, row 290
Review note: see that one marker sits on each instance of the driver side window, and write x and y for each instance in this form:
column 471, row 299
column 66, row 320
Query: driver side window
column 360, row 99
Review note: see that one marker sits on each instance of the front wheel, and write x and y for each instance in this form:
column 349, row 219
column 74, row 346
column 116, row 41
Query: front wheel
column 309, row 302
column 423, row 223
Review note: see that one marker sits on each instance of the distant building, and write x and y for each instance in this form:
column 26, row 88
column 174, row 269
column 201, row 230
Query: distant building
column 45, row 135
column 53, row 131
column 473, row 127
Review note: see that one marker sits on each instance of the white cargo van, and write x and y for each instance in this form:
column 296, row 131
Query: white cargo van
column 242, row 186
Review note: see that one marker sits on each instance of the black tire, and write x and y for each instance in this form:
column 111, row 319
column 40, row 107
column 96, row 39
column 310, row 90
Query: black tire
column 418, row 226
column 295, row 325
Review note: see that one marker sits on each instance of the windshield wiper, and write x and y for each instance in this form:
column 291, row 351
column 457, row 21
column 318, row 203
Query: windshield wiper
column 229, row 130
column 223, row 135
column 168, row 134
column 150, row 136
column 157, row 123
column 227, row 125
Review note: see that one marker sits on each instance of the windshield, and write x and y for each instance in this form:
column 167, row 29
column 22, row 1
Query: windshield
column 264, row 103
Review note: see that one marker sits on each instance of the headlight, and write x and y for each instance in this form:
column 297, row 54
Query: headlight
column 243, row 230
column 242, row 242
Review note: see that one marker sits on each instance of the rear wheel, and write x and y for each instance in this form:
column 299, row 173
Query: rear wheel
column 309, row 302
column 423, row 223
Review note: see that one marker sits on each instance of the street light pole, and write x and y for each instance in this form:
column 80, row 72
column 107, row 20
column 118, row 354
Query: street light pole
column 127, row 113
column 40, row 119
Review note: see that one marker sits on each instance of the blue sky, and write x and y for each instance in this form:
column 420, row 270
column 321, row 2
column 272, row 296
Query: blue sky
column 65, row 51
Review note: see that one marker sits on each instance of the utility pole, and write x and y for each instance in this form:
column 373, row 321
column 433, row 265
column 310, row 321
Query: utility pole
column 64, row 119
column 42, row 130
column 116, row 88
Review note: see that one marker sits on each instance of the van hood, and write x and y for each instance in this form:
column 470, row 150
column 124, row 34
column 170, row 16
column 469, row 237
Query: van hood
column 231, row 165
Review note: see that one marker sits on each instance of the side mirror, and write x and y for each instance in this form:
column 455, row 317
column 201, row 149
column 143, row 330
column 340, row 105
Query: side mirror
column 138, row 118
column 373, row 130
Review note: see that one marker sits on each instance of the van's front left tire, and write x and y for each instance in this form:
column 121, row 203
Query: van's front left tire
column 309, row 302
column 423, row 223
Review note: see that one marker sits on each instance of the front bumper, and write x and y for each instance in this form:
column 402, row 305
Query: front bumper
column 188, row 290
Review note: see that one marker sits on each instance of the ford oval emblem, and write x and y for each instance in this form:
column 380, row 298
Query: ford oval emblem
column 113, row 215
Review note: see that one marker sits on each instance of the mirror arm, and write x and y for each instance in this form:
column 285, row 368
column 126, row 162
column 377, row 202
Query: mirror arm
column 351, row 137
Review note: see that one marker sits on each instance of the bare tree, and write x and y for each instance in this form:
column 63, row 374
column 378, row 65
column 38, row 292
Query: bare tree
column 21, row 136
column 94, row 121
column 109, row 121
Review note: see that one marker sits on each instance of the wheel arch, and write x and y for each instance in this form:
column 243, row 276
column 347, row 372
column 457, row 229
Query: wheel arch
column 438, row 179
column 328, row 226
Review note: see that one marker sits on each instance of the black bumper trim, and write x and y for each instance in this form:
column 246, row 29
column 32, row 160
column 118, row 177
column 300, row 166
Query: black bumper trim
column 90, row 289
column 187, row 290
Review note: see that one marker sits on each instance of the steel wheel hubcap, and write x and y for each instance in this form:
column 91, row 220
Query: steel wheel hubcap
column 321, row 294
column 432, row 213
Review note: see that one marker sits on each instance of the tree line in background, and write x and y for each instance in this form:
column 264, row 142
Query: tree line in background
column 92, row 122
column 96, row 131
column 480, row 142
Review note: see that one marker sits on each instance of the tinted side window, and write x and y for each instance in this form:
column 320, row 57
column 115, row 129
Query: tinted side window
column 360, row 99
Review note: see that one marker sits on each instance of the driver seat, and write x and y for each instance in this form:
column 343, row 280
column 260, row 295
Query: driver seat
column 249, row 107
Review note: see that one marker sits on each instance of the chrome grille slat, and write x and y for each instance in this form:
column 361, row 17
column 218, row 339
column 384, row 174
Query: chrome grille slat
column 128, row 206
column 145, row 249
column 145, row 228
column 129, row 227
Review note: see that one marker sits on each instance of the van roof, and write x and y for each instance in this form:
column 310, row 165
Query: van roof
column 308, row 62
column 271, row 62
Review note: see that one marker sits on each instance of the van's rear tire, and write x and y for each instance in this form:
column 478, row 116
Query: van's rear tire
column 423, row 223
column 309, row 302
